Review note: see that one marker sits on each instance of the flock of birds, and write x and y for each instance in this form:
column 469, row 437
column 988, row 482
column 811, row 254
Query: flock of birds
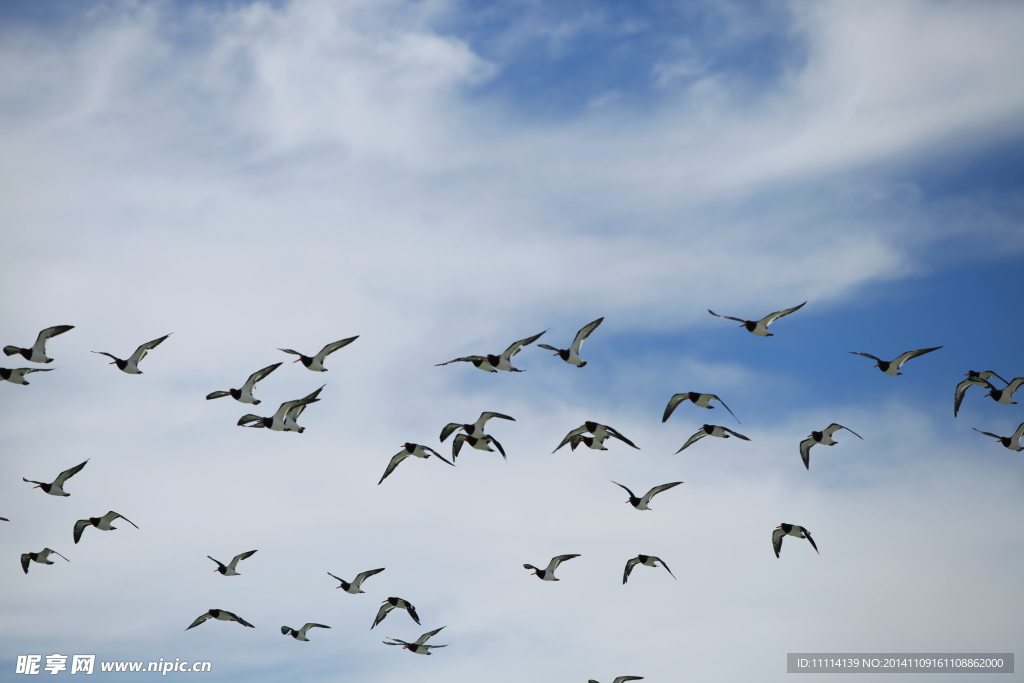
column 591, row 434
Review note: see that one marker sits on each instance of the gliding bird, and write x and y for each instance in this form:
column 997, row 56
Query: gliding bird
column 698, row 399
column 824, row 437
column 711, row 430
column 131, row 366
column 57, row 487
column 37, row 354
column 316, row 363
column 760, row 327
column 244, row 395
column 792, row 530
column 221, row 615
column 418, row 647
column 492, row 363
column 301, row 633
column 647, row 561
column 229, row 569
column 892, row 367
column 641, row 503
column 101, row 523
column 1011, row 442
column 284, row 420
column 354, row 587
column 393, row 603
column 412, row 449
column 42, row 557
column 548, row 573
column 572, row 354
column 17, row 375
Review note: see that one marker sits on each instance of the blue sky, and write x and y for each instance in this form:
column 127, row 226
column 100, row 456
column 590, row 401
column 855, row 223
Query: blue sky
column 443, row 178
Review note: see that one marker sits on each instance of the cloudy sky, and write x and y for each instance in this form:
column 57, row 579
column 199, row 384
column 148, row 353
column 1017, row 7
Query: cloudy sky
column 443, row 178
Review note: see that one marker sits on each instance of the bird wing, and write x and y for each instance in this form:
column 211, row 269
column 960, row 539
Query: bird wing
column 1014, row 385
column 289, row 406
column 143, row 349
column 25, row 559
column 632, row 562
column 904, row 357
column 663, row 564
column 807, row 534
column 241, row 621
column 990, row 373
column 672, row 403
column 736, row 434
column 516, row 347
column 397, row 642
column 867, row 355
column 569, row 437
column 769, row 319
column 631, row 494
column 658, row 489
column 555, row 561
column 469, row 359
column 448, row 429
column 291, row 351
column 382, row 612
column 584, row 332
column 67, row 474
column 492, row 440
column 696, row 437
column 302, row 631
column 219, row 564
column 543, row 346
column 43, row 336
column 805, row 450
column 363, row 576
column 217, row 394
column 457, row 444
column 108, row 355
column 200, row 619
column 834, row 427
column 427, row 636
column 238, row 558
column 79, row 528
column 777, row 537
column 961, row 389
column 623, row 679
column 111, row 516
column 618, row 435
column 395, row 459
column 431, row 451
column 1018, row 434
column 713, row 397
column 248, row 418
column 484, row 417
column 739, row 320
column 250, row 383
column 332, row 347
column 412, row 613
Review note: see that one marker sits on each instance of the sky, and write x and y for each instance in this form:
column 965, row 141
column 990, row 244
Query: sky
column 442, row 178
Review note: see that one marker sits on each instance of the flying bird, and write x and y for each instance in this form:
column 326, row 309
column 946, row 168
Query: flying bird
column 601, row 434
column 548, row 573
column 221, row 615
column 101, row 523
column 892, row 367
column 792, row 530
column 476, row 429
column 492, row 363
column 57, row 487
column 711, row 430
column 760, row 327
column 392, row 603
column 481, row 444
column 42, row 557
column 131, row 366
column 641, row 503
column 244, row 395
column 418, row 647
column 824, row 437
column 316, row 363
column 301, row 633
column 698, row 399
column 17, row 375
column 571, row 355
column 621, row 679
column 229, row 569
column 588, row 441
column 1011, row 442
column 647, row 561
column 412, row 449
column 37, row 354
column 284, row 420
column 354, row 587
column 1005, row 395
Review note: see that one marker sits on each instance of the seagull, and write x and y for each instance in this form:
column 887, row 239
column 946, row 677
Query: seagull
column 354, row 587
column 37, row 354
column 316, row 363
column 647, row 561
column 621, row 679
column 101, row 523
column 131, row 366
column 476, row 429
column 492, row 363
column 1005, row 395
column 284, row 420
column 244, row 395
column 760, row 327
column 301, row 633
column 572, row 354
column 392, row 603
column 711, row 430
column 17, row 376
column 418, row 647
column 601, row 433
column 641, row 503
column 42, row 557
column 891, row 367
column 698, row 399
column 407, row 450
column 824, row 437
column 57, row 487
column 793, row 530
column 229, row 570
column 481, row 444
column 548, row 573
column 222, row 615
column 1011, row 442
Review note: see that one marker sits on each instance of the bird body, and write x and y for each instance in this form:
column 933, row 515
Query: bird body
column 571, row 355
column 101, row 523
column 548, row 573
column 784, row 530
column 37, row 354
column 621, row 679
column 316, row 363
column 760, row 327
column 131, row 365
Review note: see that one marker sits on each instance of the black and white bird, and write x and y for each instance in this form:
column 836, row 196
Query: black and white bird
column 393, row 603
column 760, row 327
column 101, row 523
column 698, row 399
column 418, row 647
column 410, row 449
column 56, row 488
column 492, row 363
column 483, row 443
column 244, row 395
column 647, row 561
column 37, row 354
column 601, row 434
column 220, row 615
column 131, row 366
column 301, row 633
column 548, row 573
column 284, row 420
column 476, row 429
column 316, row 363
column 571, row 355
column 1011, row 442
column 621, row 679
column 1005, row 395
column 641, row 503
column 973, row 377
column 42, row 557
column 354, row 586
column 892, row 367
column 711, row 430
column 824, row 437
column 588, row 441
column 229, row 568
column 17, row 375
column 791, row 530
